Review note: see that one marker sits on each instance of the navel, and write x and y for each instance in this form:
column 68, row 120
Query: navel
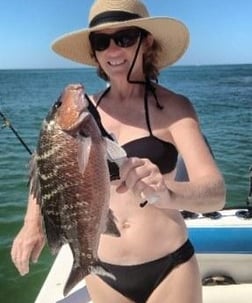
column 125, row 224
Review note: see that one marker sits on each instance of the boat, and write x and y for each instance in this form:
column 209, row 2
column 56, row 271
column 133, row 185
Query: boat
column 223, row 245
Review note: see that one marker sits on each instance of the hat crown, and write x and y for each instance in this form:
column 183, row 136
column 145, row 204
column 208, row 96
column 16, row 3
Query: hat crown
column 171, row 34
column 129, row 6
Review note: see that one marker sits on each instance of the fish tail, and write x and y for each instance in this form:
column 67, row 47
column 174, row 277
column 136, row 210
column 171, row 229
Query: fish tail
column 100, row 271
column 75, row 276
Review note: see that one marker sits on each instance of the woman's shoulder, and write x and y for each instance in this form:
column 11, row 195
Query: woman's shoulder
column 174, row 102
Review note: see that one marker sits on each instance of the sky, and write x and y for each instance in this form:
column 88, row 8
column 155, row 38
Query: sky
column 220, row 30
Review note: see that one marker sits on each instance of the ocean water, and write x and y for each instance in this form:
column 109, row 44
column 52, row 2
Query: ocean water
column 222, row 96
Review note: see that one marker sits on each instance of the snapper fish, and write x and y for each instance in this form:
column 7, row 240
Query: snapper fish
column 69, row 177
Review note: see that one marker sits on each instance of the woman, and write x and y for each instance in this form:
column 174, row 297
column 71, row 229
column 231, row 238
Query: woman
column 153, row 260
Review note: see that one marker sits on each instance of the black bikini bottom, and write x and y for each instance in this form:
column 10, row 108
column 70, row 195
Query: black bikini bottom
column 137, row 282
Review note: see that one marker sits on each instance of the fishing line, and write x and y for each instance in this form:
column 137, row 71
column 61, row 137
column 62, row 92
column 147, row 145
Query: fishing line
column 7, row 123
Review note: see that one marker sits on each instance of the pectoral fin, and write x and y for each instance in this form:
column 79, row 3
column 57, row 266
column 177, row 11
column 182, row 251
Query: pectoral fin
column 84, row 148
column 115, row 152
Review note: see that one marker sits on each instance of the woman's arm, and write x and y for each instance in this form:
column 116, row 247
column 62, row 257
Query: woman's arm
column 30, row 240
column 205, row 189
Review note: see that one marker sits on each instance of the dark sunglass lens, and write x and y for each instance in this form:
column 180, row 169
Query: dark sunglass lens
column 123, row 38
column 126, row 38
column 99, row 42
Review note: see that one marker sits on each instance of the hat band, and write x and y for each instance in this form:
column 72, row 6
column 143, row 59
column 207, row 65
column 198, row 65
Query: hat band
column 112, row 16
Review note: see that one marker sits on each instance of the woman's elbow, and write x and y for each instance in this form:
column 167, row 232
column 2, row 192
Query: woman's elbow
column 219, row 196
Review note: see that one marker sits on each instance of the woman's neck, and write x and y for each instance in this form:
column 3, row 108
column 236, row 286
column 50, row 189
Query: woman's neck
column 125, row 90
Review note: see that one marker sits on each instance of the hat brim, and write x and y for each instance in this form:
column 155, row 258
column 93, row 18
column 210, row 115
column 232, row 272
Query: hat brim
column 171, row 34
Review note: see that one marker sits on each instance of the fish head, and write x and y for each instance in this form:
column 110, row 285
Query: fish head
column 71, row 109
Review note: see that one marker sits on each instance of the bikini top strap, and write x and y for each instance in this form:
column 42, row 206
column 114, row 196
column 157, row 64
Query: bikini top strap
column 146, row 110
column 102, row 96
column 93, row 110
column 150, row 88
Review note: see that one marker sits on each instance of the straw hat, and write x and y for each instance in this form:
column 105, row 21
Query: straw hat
column 171, row 34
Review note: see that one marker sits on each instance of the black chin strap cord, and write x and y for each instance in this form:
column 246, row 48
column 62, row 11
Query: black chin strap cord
column 147, row 83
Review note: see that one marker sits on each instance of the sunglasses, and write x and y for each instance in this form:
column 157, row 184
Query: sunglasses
column 123, row 38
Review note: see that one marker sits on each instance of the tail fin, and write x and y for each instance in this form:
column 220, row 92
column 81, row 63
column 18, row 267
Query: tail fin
column 76, row 275
column 100, row 271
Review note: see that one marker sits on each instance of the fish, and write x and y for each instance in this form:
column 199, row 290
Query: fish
column 69, row 177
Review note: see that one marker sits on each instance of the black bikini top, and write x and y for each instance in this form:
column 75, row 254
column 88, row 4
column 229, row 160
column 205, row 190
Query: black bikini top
column 163, row 154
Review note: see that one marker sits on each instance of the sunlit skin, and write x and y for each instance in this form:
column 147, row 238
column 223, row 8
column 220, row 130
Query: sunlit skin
column 145, row 231
column 156, row 230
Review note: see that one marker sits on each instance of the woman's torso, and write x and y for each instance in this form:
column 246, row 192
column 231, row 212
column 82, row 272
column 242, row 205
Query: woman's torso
column 146, row 233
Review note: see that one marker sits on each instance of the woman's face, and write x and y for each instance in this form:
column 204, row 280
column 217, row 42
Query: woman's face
column 115, row 50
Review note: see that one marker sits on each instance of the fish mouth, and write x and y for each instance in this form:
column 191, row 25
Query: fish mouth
column 79, row 112
column 81, row 104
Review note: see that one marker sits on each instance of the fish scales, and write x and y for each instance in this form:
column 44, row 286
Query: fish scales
column 70, row 178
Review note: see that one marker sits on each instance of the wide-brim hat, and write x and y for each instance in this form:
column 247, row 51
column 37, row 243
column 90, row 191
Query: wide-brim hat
column 171, row 34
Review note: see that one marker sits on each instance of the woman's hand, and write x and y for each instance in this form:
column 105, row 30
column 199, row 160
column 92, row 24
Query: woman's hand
column 144, row 179
column 27, row 245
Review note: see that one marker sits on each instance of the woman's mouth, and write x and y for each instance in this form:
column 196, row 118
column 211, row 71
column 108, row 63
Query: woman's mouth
column 116, row 62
